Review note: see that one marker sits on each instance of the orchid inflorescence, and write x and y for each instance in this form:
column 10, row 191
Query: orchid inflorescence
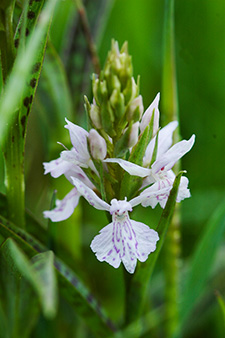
column 124, row 158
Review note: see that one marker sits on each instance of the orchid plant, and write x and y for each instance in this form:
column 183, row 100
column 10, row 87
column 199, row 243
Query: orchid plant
column 67, row 271
column 121, row 134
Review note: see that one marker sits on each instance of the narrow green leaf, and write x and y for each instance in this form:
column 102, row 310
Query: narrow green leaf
column 55, row 83
column 71, row 287
column 18, row 300
column 140, row 280
column 3, row 321
column 18, row 78
column 40, row 275
column 33, row 226
column 142, row 325
column 221, row 303
column 51, row 225
column 43, row 265
column 29, row 18
column 32, row 14
column 201, row 263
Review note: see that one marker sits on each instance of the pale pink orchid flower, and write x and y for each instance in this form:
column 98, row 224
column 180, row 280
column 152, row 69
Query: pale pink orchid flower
column 160, row 174
column 69, row 164
column 123, row 240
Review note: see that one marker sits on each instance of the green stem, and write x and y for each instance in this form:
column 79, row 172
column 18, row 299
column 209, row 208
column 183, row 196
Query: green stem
column 14, row 144
column 170, row 113
column 88, row 36
column 14, row 175
column 6, row 40
column 169, row 79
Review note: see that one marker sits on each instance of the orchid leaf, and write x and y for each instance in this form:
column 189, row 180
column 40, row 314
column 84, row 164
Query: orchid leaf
column 201, row 264
column 221, row 303
column 17, row 81
column 19, row 304
column 32, row 14
column 55, row 83
column 70, row 286
column 40, row 274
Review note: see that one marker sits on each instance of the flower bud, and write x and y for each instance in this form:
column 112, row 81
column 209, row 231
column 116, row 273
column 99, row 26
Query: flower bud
column 93, row 113
column 97, row 145
column 133, row 137
column 95, row 116
column 131, row 91
column 103, row 90
column 117, row 103
column 135, row 109
column 146, row 119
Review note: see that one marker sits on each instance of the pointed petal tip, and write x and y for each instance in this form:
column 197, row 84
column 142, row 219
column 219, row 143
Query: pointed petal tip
column 157, row 98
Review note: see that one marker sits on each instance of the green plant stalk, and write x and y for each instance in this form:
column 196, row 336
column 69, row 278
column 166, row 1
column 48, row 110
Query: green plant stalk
column 14, row 109
column 14, row 143
column 88, row 36
column 170, row 113
column 6, row 40
column 14, row 175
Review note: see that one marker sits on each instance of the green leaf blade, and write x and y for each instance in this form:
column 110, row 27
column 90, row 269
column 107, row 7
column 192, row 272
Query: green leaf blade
column 43, row 264
column 201, row 263
column 70, row 286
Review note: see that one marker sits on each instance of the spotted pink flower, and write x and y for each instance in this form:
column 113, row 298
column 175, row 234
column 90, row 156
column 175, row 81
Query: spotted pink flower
column 159, row 175
column 124, row 240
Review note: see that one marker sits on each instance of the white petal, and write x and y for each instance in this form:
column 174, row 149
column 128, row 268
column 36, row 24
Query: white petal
column 78, row 138
column 148, row 115
column 131, row 168
column 160, row 190
column 74, row 158
column 64, row 208
column 56, row 167
column 146, row 239
column 183, row 191
column 165, row 140
column 168, row 159
column 157, row 193
column 90, row 196
column 124, row 240
column 103, row 246
column 78, row 173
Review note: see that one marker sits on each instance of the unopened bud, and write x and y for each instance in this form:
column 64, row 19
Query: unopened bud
column 135, row 109
column 103, row 90
column 131, row 90
column 133, row 137
column 95, row 88
column 95, row 116
column 146, row 119
column 117, row 103
column 97, row 145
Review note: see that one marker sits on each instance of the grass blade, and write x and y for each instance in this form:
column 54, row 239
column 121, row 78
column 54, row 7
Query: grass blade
column 201, row 263
column 71, row 287
column 17, row 80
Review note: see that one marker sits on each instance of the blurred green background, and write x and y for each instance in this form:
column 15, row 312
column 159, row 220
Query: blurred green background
column 66, row 77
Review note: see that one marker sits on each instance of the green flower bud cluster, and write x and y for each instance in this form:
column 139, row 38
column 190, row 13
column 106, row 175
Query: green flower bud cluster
column 117, row 104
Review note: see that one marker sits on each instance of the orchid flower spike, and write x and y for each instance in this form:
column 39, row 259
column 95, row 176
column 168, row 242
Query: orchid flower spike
column 69, row 164
column 160, row 175
column 124, row 240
